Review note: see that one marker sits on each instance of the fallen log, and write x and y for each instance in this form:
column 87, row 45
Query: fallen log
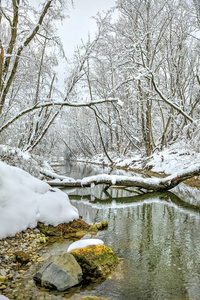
column 154, row 184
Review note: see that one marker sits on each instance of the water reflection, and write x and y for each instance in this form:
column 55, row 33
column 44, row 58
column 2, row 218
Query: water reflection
column 156, row 235
column 80, row 170
column 160, row 245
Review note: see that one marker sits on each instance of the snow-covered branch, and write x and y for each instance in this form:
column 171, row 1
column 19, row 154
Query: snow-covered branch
column 25, row 43
column 154, row 184
column 176, row 107
column 55, row 103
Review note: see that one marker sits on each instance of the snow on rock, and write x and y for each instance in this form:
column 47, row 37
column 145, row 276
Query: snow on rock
column 25, row 200
column 84, row 243
column 3, row 297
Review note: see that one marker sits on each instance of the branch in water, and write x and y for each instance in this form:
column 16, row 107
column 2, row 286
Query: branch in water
column 154, row 184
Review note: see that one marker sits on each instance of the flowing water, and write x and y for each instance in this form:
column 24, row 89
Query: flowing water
column 157, row 236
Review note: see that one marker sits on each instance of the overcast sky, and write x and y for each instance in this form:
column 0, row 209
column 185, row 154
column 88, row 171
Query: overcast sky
column 80, row 22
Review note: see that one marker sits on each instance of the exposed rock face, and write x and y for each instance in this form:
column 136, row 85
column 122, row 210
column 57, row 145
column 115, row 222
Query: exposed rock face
column 59, row 272
column 96, row 260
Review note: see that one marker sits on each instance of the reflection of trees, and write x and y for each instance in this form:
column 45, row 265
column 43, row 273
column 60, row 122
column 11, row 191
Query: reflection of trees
column 159, row 240
column 106, row 198
column 77, row 170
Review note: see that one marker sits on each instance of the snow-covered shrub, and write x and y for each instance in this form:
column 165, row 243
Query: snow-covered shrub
column 16, row 157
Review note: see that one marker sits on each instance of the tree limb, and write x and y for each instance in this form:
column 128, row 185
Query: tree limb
column 154, row 184
column 50, row 103
column 176, row 107
column 19, row 51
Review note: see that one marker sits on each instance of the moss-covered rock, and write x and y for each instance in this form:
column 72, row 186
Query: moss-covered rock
column 73, row 230
column 22, row 257
column 64, row 229
column 99, row 226
column 96, row 261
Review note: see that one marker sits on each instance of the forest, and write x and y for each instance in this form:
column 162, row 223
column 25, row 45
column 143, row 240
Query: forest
column 134, row 88
column 112, row 153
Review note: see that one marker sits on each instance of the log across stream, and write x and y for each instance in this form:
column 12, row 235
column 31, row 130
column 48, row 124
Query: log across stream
column 153, row 184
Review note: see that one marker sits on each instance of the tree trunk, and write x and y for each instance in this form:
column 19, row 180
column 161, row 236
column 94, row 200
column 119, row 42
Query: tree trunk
column 153, row 184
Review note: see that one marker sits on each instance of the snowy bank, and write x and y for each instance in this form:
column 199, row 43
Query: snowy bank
column 178, row 156
column 25, row 200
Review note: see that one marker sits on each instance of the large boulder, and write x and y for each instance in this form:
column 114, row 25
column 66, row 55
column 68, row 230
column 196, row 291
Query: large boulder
column 96, row 261
column 59, row 272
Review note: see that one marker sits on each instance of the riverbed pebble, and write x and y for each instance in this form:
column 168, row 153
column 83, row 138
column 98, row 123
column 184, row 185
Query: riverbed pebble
column 28, row 243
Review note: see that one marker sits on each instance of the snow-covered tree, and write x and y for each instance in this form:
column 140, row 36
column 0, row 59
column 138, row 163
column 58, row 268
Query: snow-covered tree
column 148, row 57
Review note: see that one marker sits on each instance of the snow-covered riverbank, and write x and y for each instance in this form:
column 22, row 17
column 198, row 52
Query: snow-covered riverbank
column 26, row 200
column 168, row 161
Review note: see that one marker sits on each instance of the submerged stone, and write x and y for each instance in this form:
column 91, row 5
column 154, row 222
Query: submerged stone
column 59, row 272
column 96, row 261
column 100, row 226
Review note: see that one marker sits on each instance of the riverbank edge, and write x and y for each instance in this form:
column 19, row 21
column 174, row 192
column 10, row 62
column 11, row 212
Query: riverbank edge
column 31, row 244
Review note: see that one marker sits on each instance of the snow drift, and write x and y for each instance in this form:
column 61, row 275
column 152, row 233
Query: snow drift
column 25, row 200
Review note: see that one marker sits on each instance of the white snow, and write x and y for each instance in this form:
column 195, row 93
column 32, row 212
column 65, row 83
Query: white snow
column 170, row 160
column 116, row 178
column 84, row 243
column 55, row 176
column 3, row 297
column 25, row 200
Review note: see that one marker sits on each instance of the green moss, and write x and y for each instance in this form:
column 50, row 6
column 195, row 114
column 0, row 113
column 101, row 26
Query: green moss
column 73, row 230
column 96, row 260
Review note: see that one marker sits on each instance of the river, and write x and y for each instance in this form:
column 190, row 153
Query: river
column 156, row 235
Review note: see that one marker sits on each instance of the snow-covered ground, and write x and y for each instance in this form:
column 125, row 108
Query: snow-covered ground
column 168, row 161
column 25, row 200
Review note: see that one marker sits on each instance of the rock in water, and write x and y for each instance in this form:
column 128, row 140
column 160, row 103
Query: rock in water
column 96, row 261
column 59, row 272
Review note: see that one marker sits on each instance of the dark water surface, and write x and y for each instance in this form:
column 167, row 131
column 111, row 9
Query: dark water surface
column 156, row 235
